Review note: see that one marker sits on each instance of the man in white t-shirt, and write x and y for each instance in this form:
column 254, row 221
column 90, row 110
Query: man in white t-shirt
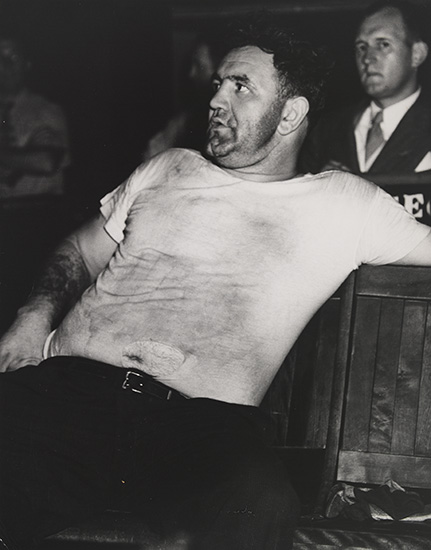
column 390, row 48
column 173, row 311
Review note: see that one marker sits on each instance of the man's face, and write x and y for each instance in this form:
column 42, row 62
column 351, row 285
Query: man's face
column 384, row 58
column 12, row 66
column 245, row 109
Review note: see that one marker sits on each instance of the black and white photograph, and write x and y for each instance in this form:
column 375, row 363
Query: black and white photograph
column 215, row 274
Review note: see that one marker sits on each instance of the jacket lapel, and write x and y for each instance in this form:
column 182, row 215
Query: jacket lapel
column 410, row 141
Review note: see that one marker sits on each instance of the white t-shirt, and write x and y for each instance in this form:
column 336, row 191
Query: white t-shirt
column 215, row 277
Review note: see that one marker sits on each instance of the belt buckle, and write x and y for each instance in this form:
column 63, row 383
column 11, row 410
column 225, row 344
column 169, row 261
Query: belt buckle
column 126, row 383
column 141, row 384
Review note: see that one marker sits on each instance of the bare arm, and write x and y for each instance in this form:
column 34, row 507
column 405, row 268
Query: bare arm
column 421, row 255
column 69, row 271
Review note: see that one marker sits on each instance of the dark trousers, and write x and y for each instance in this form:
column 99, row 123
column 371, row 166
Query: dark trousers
column 74, row 443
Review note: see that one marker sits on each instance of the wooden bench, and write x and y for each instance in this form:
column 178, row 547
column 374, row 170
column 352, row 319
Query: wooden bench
column 352, row 403
column 379, row 423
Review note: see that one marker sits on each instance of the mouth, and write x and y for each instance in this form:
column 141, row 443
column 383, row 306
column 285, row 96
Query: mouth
column 217, row 127
column 372, row 75
column 216, row 122
column 214, row 125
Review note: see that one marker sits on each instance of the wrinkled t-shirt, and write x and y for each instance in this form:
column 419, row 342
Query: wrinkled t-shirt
column 215, row 277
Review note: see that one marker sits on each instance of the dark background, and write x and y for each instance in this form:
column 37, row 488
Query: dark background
column 114, row 67
column 108, row 64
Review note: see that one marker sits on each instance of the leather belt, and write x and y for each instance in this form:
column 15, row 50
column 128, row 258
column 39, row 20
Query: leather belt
column 141, row 382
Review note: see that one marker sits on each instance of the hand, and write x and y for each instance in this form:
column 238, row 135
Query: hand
column 335, row 165
column 22, row 344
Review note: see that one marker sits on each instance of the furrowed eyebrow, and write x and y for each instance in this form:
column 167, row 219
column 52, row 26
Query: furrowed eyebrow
column 241, row 78
column 377, row 38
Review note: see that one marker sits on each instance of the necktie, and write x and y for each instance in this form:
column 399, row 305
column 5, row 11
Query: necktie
column 375, row 136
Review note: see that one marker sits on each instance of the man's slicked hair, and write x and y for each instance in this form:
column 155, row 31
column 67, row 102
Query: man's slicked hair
column 414, row 17
column 302, row 69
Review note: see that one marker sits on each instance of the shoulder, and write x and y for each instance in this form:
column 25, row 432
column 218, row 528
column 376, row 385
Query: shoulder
column 341, row 195
column 424, row 99
column 346, row 183
column 178, row 155
column 177, row 163
column 169, row 169
column 421, row 108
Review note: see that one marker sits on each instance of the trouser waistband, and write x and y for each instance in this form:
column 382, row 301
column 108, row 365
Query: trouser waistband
column 129, row 380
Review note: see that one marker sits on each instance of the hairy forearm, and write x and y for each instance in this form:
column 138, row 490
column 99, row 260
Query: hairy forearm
column 67, row 273
column 59, row 285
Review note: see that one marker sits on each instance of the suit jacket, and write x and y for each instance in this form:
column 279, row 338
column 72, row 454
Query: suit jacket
column 333, row 139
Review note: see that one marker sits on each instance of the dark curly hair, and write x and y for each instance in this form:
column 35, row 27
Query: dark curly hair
column 302, row 69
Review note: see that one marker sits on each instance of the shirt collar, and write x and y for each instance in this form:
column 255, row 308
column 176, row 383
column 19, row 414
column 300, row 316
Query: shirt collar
column 393, row 114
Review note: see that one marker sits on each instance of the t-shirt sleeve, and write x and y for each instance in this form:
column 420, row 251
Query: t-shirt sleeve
column 389, row 232
column 115, row 207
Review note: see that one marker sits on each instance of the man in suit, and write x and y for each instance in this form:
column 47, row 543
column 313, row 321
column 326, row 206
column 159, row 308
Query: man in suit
column 390, row 47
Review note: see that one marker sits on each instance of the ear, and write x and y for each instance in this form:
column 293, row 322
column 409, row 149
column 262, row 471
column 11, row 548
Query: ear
column 294, row 112
column 419, row 53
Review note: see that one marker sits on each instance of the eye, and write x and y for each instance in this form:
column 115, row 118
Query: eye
column 360, row 48
column 383, row 45
column 239, row 87
column 215, row 84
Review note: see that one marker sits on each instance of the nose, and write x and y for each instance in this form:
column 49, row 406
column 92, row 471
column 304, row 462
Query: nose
column 368, row 56
column 219, row 100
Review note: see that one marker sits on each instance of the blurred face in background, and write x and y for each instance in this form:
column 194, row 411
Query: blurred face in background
column 386, row 58
column 202, row 66
column 13, row 66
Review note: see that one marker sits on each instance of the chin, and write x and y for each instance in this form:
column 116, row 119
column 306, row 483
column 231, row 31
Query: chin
column 215, row 150
column 227, row 161
column 375, row 89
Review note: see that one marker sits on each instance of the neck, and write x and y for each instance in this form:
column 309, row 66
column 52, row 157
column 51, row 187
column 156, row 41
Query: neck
column 383, row 103
column 248, row 174
column 279, row 163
